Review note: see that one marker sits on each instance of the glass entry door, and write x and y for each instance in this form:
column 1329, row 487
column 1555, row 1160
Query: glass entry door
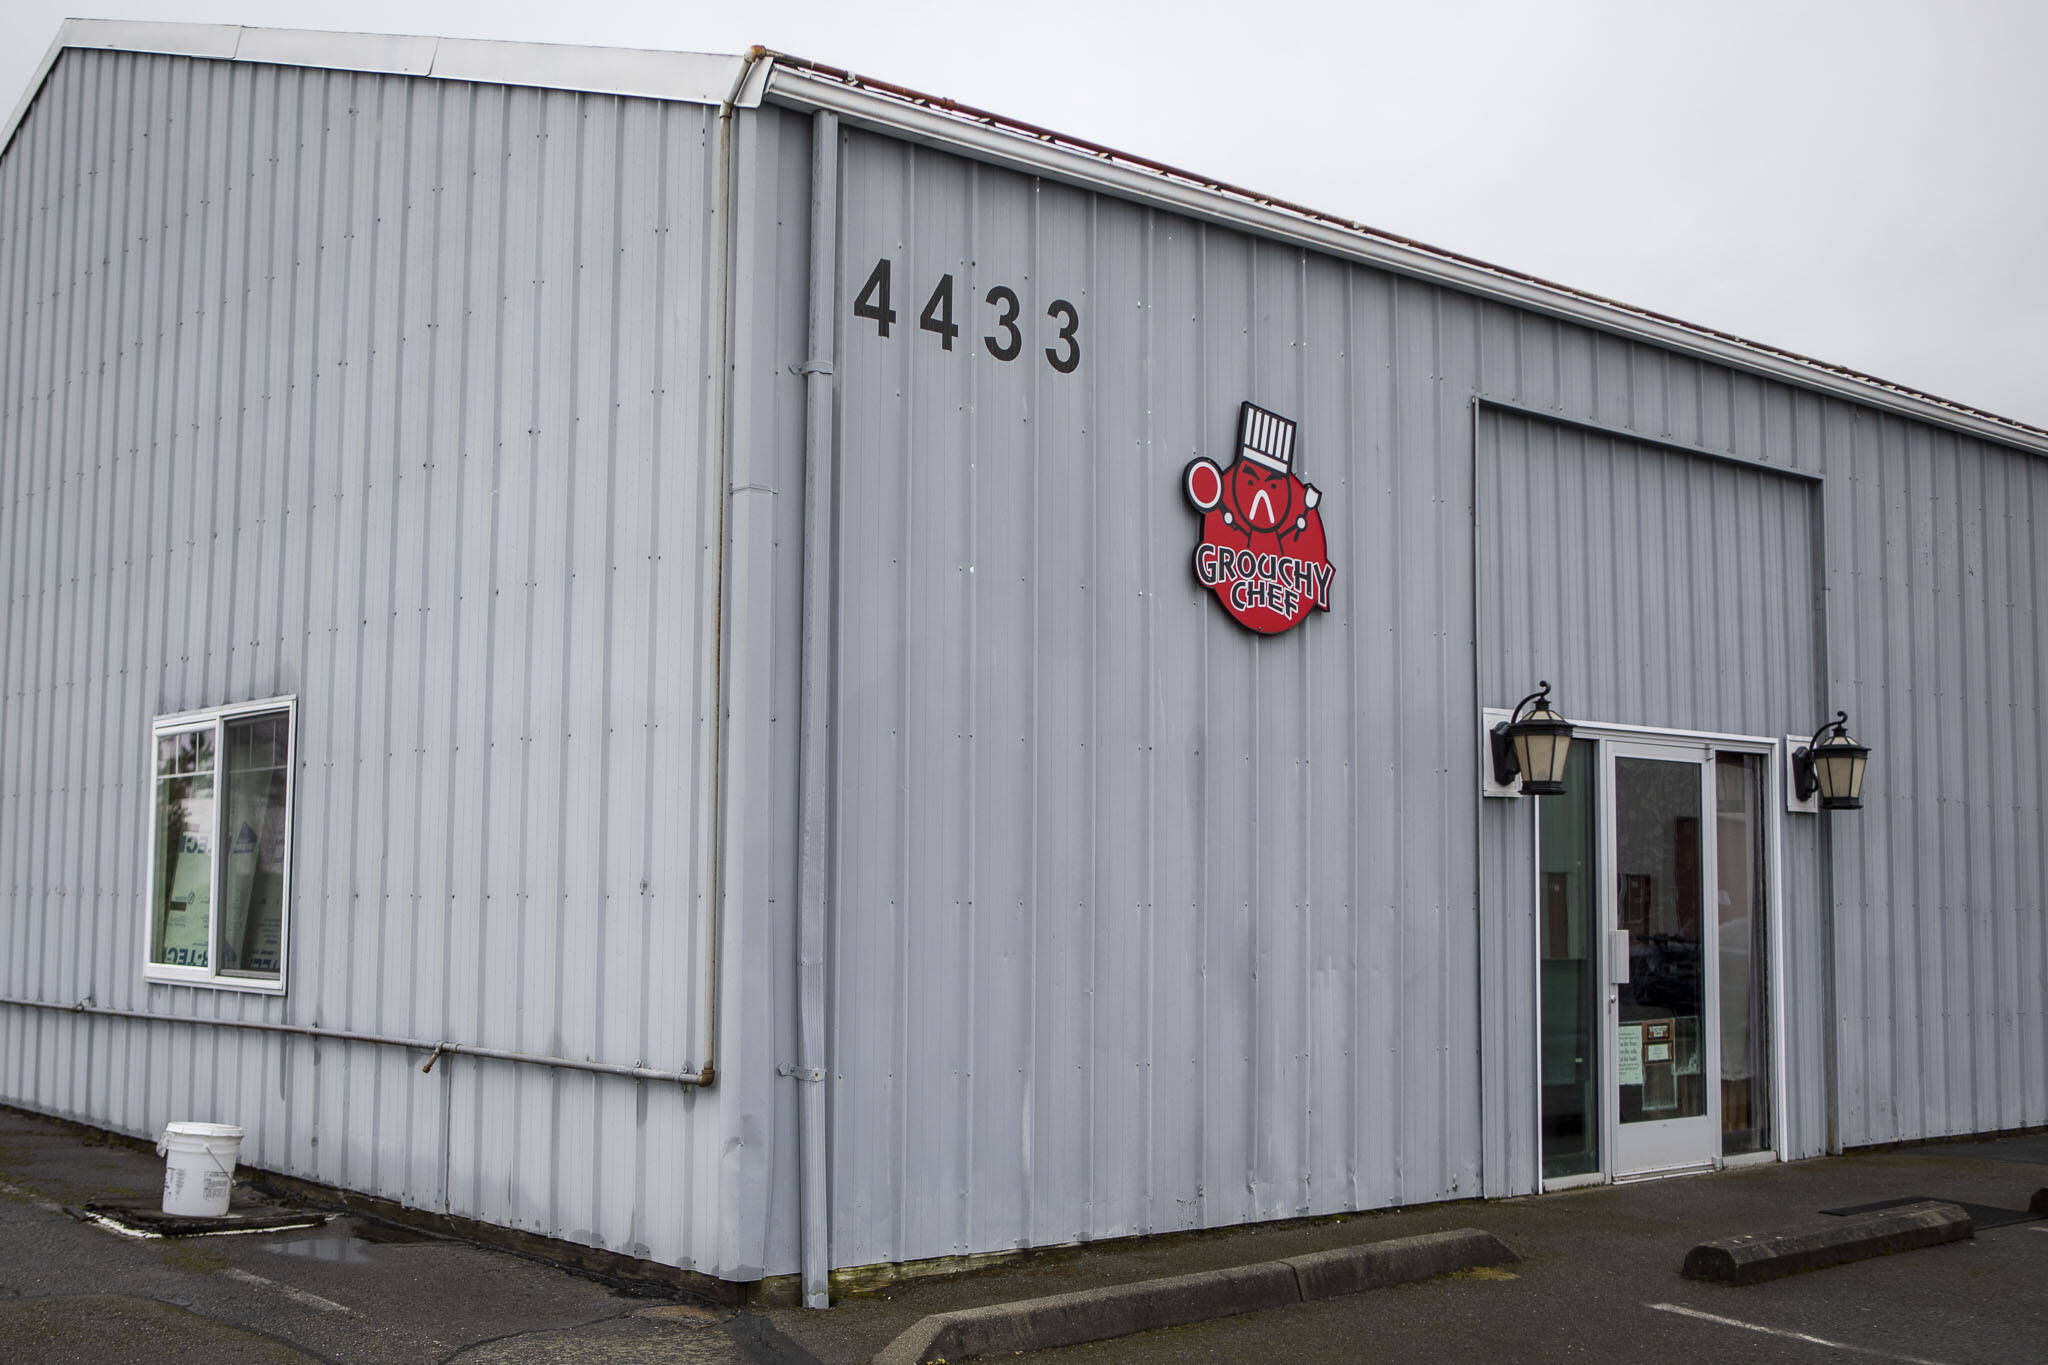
column 1655, row 989
column 1662, row 1006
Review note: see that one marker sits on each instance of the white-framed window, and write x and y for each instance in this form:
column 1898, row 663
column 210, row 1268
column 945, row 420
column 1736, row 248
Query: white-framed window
column 220, row 847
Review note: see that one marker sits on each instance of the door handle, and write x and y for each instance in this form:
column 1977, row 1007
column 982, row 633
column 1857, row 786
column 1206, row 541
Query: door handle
column 1617, row 957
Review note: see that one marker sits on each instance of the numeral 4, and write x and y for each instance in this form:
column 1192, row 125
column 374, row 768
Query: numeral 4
column 938, row 314
column 873, row 302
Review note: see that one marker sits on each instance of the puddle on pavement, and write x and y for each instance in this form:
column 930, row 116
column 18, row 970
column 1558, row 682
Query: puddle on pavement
column 347, row 1241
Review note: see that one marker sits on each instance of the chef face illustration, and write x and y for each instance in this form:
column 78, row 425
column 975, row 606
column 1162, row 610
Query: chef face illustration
column 1262, row 498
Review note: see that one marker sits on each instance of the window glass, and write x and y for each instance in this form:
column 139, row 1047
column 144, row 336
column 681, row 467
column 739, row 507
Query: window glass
column 1745, row 976
column 1571, row 984
column 181, row 899
column 1657, row 849
column 252, row 870
column 220, row 847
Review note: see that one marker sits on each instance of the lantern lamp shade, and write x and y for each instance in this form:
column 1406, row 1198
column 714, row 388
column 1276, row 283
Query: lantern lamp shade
column 1831, row 766
column 1838, row 764
column 1542, row 740
column 1532, row 744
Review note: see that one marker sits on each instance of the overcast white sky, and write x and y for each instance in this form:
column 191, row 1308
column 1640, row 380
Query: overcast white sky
column 1864, row 181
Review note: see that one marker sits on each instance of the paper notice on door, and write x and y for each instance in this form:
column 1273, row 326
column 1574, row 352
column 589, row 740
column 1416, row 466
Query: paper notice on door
column 1629, row 1054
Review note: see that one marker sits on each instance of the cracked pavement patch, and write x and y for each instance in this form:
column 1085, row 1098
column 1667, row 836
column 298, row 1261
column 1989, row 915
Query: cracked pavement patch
column 627, row 1340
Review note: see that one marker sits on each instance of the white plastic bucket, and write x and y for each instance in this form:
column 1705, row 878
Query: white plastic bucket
column 199, row 1167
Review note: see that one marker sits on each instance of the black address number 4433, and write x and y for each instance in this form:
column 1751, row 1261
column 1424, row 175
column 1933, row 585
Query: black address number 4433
column 1005, row 343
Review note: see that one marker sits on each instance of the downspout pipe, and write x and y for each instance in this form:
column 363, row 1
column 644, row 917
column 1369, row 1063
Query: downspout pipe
column 721, row 436
column 815, row 733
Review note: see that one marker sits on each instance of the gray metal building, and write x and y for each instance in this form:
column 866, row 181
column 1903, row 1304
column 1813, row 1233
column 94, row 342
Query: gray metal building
column 604, row 642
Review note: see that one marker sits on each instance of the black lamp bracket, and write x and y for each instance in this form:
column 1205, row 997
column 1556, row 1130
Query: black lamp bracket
column 1506, row 767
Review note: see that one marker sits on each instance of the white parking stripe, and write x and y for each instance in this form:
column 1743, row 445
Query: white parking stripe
column 295, row 1295
column 1681, row 1309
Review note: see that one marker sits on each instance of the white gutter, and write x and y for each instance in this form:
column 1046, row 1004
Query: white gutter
column 985, row 138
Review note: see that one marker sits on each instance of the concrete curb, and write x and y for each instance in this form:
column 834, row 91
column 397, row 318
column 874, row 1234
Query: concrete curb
column 1757, row 1257
column 1118, row 1310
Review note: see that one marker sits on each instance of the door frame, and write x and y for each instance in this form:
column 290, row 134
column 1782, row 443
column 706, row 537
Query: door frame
column 1774, row 755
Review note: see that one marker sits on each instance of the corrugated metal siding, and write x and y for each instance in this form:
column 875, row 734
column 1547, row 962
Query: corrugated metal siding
column 755, row 1177
column 1652, row 587
column 1941, row 1011
column 394, row 395
column 1142, row 923
column 1939, row 582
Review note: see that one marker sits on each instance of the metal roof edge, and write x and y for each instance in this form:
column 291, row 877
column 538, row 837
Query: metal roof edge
column 991, row 137
column 745, row 81
column 681, row 77
column 35, row 85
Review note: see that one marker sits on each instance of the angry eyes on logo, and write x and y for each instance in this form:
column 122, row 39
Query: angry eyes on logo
column 1263, row 498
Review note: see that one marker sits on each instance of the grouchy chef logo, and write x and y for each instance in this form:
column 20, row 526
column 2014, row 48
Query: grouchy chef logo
column 1262, row 550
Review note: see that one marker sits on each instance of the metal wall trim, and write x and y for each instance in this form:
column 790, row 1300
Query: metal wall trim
column 984, row 140
column 437, row 1051
column 1482, row 403
column 683, row 77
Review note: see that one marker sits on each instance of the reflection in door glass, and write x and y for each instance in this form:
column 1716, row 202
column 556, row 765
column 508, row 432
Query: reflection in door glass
column 1744, row 1000
column 1659, row 1051
column 1568, row 946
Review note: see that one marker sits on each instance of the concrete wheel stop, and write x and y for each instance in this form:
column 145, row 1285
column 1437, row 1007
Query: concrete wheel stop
column 1119, row 1310
column 1756, row 1257
column 142, row 1218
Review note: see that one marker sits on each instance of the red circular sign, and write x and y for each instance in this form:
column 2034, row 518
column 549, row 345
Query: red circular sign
column 1262, row 550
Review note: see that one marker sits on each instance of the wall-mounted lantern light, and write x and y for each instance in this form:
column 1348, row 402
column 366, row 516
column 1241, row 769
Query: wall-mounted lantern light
column 1532, row 743
column 1832, row 767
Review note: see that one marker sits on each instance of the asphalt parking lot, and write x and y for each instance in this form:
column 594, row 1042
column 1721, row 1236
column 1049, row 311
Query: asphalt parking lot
column 1606, row 1290
column 1598, row 1281
column 350, row 1291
